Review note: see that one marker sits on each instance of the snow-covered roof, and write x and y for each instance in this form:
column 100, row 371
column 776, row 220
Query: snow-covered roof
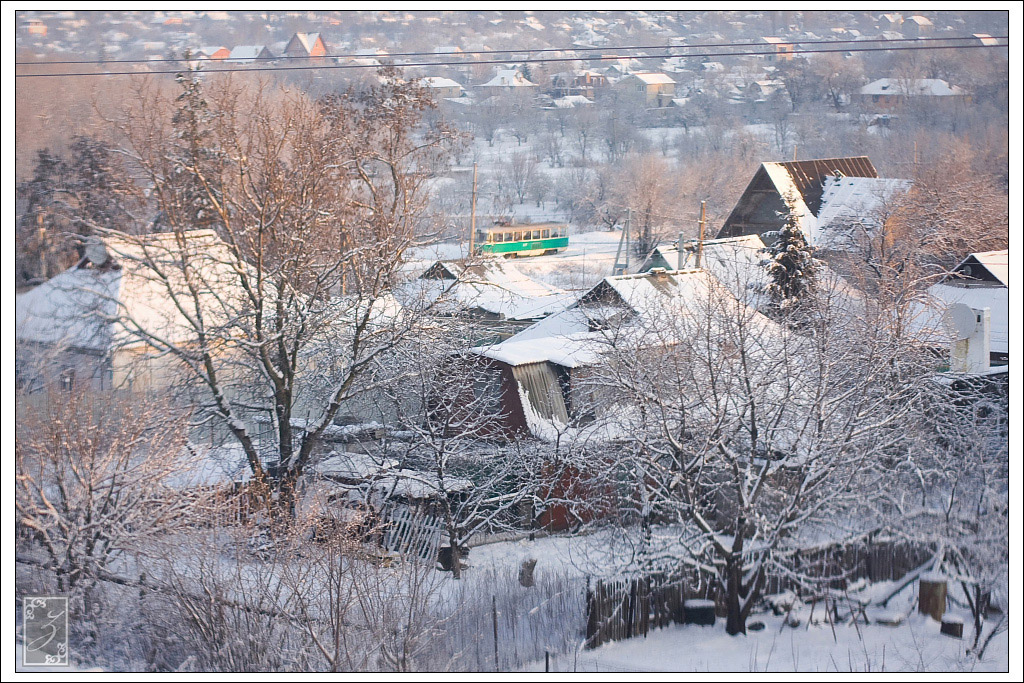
column 85, row 306
column 931, row 87
column 734, row 261
column 654, row 78
column 508, row 78
column 850, row 206
column 570, row 101
column 995, row 262
column 920, row 21
column 495, row 286
column 308, row 40
column 438, row 82
column 245, row 53
column 573, row 338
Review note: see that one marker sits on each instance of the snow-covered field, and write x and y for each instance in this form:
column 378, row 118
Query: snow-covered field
column 916, row 645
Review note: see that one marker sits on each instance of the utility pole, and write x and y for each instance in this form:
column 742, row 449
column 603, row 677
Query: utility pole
column 700, row 239
column 621, row 267
column 472, row 215
column 629, row 229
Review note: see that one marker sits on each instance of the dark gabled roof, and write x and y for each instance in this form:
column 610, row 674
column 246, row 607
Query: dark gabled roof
column 809, row 176
column 759, row 207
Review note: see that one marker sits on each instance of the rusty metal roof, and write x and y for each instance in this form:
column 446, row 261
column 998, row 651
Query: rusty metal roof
column 809, row 176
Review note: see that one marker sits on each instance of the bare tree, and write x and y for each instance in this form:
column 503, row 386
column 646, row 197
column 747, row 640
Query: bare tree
column 97, row 475
column 449, row 404
column 313, row 204
column 747, row 435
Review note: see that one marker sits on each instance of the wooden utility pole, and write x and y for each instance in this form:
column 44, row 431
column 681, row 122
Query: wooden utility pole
column 794, row 152
column 621, row 267
column 700, row 239
column 629, row 228
column 472, row 215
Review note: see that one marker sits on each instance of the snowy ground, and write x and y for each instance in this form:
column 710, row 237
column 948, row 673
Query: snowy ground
column 916, row 645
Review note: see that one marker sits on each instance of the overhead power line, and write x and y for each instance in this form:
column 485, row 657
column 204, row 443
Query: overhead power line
column 311, row 67
column 621, row 48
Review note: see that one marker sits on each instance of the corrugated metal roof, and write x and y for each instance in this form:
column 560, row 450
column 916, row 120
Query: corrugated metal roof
column 809, row 175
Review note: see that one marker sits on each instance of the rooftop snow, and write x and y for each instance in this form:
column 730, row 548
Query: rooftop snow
column 851, row 203
column 933, row 87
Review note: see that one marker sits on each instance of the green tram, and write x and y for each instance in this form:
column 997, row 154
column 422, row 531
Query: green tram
column 523, row 240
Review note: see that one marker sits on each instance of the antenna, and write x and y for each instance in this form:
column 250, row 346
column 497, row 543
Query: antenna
column 961, row 320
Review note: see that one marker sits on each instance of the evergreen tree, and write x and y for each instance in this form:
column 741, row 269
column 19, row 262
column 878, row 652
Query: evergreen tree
column 791, row 266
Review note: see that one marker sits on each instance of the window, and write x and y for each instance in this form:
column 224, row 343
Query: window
column 545, row 234
column 496, row 237
column 508, row 237
column 518, row 237
column 536, row 234
column 67, row 379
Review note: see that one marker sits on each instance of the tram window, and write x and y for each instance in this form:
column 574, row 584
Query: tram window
column 517, row 237
column 536, row 234
column 496, row 237
column 546, row 234
column 508, row 237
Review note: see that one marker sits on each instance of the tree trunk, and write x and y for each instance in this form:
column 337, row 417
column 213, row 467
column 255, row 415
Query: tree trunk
column 735, row 620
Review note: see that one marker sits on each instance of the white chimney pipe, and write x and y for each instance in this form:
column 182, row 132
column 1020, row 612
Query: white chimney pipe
column 970, row 354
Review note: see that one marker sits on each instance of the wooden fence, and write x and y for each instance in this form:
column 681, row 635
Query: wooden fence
column 409, row 532
column 624, row 608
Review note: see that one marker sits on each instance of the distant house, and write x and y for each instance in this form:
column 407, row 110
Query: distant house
column 760, row 91
column 781, row 51
column 34, row 27
column 890, row 21
column 655, row 89
column 585, row 82
column 985, row 39
column 306, row 45
column 249, row 54
column 917, row 26
column 894, row 92
column 779, row 188
column 505, row 80
column 980, row 281
column 212, row 52
column 442, row 88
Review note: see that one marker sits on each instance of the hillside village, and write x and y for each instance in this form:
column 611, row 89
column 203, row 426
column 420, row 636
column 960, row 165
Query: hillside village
column 483, row 343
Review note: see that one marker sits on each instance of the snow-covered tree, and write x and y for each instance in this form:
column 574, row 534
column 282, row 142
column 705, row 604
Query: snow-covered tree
column 743, row 442
column 96, row 474
column 790, row 263
column 313, row 204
